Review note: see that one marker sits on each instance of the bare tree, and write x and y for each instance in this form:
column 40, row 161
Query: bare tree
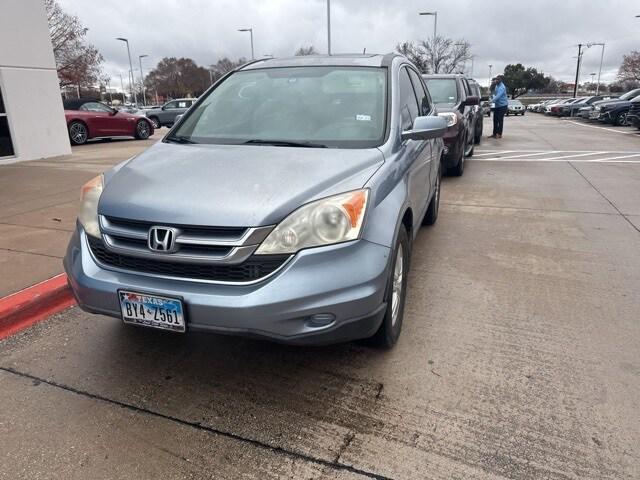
column 437, row 55
column 413, row 53
column 177, row 77
column 78, row 62
column 445, row 55
column 304, row 51
column 225, row 65
column 630, row 68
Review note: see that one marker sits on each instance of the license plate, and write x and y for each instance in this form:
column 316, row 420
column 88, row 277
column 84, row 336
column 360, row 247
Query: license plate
column 152, row 311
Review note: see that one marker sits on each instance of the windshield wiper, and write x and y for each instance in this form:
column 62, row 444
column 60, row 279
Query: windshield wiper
column 285, row 143
column 179, row 139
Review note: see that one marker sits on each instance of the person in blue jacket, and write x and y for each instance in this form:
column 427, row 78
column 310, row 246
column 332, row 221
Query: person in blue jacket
column 501, row 101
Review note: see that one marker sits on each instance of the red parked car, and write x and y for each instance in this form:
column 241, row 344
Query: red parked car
column 88, row 118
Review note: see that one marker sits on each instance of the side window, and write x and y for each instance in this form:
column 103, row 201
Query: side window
column 184, row 104
column 408, row 102
column 171, row 105
column 6, row 145
column 421, row 93
column 95, row 107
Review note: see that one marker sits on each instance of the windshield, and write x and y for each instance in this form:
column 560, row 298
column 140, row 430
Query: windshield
column 629, row 95
column 293, row 106
column 443, row 90
column 515, row 102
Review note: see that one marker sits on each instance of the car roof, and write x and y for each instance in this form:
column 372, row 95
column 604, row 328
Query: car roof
column 76, row 103
column 342, row 60
column 442, row 75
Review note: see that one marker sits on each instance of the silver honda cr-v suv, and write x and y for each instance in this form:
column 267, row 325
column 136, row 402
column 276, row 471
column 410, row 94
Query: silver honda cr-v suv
column 282, row 205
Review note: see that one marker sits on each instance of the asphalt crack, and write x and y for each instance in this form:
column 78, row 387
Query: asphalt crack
column 256, row 443
column 605, row 197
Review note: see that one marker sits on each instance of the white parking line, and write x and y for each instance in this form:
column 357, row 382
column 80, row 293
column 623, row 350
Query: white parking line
column 616, row 158
column 564, row 157
column 492, row 152
column 536, row 154
column 600, row 128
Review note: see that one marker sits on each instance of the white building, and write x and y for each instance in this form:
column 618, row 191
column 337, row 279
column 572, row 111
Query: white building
column 32, row 123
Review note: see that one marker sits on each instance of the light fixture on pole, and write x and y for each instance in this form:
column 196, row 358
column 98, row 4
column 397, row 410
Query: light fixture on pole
column 250, row 30
column 435, row 33
column 135, row 97
column 589, row 45
column 144, row 92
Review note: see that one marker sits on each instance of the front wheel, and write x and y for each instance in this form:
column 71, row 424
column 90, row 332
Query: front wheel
column 156, row 122
column 391, row 326
column 143, row 130
column 458, row 169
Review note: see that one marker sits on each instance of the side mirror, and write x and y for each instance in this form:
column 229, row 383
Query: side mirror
column 164, row 107
column 178, row 118
column 114, row 112
column 426, row 128
column 471, row 101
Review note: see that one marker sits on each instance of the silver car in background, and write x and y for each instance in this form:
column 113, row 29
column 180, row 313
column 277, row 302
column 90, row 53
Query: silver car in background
column 282, row 205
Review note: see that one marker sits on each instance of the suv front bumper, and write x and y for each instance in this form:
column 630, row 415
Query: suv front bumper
column 347, row 281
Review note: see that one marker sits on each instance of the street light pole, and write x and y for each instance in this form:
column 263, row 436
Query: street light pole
column 144, row 92
column 589, row 45
column 435, row 33
column 575, row 87
column 135, row 97
column 122, row 87
column 250, row 30
column 329, row 27
column 490, row 67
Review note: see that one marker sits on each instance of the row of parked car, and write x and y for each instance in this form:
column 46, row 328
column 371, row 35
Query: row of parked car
column 620, row 111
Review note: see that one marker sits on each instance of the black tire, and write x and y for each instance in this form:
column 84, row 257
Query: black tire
column 143, row 130
column 434, row 205
column 620, row 120
column 458, row 169
column 391, row 326
column 155, row 122
column 477, row 138
column 78, row 133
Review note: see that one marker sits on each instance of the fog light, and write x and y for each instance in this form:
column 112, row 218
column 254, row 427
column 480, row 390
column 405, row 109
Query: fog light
column 321, row 319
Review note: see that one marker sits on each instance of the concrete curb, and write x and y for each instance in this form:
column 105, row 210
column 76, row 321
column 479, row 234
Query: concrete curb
column 22, row 309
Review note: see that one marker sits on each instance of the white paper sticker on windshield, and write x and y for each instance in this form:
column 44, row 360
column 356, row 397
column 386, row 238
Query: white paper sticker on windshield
column 363, row 118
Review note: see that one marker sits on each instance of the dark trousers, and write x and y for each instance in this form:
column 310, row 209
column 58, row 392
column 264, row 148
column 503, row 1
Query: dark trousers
column 498, row 119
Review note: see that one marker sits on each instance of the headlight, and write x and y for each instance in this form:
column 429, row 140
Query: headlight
column 89, row 196
column 323, row 222
column 451, row 118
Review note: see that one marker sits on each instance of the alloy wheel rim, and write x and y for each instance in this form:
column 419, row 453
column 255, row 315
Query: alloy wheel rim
column 143, row 129
column 78, row 133
column 398, row 273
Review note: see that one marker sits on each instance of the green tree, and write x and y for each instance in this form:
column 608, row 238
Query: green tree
column 520, row 80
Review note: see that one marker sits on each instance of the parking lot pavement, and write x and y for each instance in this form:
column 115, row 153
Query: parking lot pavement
column 39, row 204
column 518, row 359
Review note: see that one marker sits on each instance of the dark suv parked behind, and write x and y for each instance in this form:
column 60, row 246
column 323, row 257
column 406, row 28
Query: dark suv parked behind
column 455, row 101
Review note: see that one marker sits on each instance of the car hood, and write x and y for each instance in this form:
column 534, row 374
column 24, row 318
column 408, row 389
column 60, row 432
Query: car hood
column 230, row 185
column 152, row 110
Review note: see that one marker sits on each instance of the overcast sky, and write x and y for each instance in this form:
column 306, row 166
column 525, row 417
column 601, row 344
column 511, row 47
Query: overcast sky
column 539, row 33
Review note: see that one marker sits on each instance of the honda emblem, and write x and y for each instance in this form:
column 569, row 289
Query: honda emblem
column 162, row 239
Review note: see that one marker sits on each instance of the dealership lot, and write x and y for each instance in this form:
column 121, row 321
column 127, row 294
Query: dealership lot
column 518, row 359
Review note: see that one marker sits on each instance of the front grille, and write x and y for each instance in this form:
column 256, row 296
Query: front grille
column 252, row 269
column 191, row 230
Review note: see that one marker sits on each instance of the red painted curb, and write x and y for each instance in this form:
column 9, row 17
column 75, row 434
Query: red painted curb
column 34, row 304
